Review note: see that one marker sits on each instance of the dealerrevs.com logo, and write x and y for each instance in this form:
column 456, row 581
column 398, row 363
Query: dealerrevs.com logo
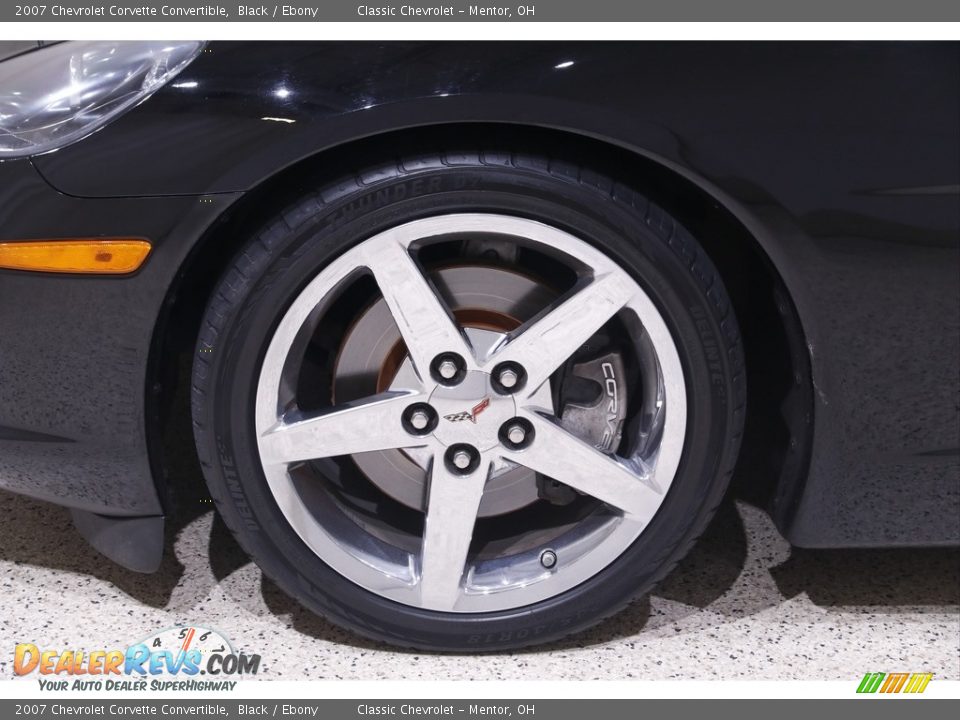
column 177, row 658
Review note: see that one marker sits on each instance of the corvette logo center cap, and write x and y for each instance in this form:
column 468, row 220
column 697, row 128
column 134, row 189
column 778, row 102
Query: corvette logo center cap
column 472, row 415
column 471, row 412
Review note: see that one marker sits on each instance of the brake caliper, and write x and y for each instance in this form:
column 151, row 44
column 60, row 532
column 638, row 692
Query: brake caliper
column 593, row 402
column 598, row 420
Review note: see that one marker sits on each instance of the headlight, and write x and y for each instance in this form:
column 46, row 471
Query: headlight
column 54, row 96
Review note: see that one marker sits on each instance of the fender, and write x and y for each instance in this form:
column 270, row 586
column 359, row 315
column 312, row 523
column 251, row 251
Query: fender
column 820, row 150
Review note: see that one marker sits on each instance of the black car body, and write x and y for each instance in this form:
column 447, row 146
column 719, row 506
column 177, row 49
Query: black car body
column 827, row 174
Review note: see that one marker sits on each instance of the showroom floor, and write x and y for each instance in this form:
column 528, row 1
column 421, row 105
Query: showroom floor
column 742, row 606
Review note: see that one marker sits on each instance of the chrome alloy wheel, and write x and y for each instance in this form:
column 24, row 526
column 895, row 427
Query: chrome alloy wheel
column 472, row 407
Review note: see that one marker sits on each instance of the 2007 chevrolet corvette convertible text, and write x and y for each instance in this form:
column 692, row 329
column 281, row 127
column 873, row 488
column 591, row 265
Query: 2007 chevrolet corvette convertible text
column 480, row 332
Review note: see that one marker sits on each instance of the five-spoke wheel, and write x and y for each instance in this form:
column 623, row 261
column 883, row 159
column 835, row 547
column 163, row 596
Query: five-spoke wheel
column 465, row 402
column 471, row 410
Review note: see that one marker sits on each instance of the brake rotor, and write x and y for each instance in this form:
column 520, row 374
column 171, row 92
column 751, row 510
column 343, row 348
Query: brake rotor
column 488, row 302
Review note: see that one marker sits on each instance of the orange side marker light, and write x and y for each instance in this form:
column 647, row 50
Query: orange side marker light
column 100, row 256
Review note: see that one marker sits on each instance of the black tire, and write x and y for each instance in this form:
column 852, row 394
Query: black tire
column 302, row 238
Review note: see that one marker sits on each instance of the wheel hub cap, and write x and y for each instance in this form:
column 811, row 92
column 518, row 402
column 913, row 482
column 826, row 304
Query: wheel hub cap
column 472, row 412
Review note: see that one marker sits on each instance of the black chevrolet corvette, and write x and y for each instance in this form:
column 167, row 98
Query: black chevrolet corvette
column 480, row 332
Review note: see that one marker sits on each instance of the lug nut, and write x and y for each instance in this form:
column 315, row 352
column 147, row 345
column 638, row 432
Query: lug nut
column 419, row 419
column 516, row 434
column 548, row 558
column 508, row 378
column 447, row 370
column 461, row 459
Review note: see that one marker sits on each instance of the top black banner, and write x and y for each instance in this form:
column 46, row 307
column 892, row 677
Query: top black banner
column 485, row 11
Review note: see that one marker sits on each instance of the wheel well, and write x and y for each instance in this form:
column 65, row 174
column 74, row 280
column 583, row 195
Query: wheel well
column 778, row 426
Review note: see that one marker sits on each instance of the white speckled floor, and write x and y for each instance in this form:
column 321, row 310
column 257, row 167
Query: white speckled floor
column 743, row 606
